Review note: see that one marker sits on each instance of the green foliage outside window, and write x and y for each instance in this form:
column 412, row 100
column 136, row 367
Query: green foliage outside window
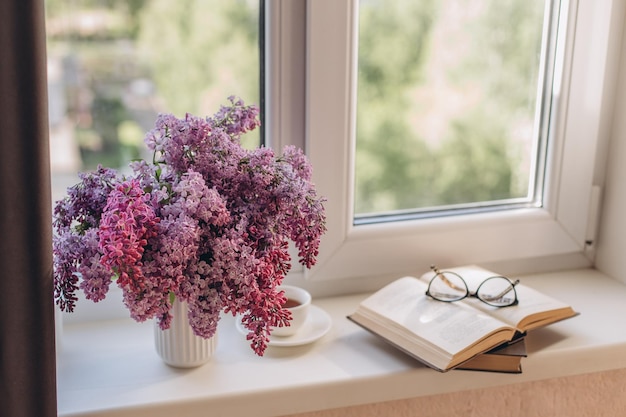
column 194, row 53
column 123, row 62
column 446, row 97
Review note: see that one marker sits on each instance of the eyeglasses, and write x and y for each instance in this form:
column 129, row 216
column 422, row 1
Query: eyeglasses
column 448, row 286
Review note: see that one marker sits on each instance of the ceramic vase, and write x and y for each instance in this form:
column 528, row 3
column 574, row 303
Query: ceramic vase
column 178, row 346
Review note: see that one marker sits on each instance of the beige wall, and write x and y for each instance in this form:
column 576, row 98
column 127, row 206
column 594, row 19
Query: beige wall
column 598, row 394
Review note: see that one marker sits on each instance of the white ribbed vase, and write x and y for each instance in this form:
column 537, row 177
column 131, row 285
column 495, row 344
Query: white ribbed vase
column 178, row 346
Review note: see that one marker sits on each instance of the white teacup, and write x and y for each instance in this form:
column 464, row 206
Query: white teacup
column 298, row 303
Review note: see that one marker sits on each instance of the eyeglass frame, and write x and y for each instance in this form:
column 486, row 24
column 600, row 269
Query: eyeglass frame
column 468, row 293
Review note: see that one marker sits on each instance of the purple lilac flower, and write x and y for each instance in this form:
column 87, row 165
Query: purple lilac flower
column 76, row 219
column 96, row 277
column 205, row 221
column 173, row 248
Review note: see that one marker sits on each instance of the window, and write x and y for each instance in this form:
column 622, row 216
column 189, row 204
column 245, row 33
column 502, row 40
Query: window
column 449, row 105
column 555, row 233
column 311, row 100
column 114, row 65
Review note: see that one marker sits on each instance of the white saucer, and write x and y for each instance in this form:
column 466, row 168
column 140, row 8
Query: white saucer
column 316, row 326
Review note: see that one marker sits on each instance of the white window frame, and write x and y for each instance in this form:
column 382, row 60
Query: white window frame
column 310, row 103
column 561, row 231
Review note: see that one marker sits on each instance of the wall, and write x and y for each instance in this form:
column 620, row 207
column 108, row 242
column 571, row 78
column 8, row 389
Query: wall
column 598, row 394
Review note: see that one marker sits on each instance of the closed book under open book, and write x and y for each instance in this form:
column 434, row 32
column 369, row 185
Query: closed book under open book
column 504, row 358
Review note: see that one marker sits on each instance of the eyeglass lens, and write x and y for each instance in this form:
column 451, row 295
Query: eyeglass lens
column 497, row 291
column 447, row 286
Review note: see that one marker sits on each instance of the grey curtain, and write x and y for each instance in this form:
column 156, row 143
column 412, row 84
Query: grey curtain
column 27, row 357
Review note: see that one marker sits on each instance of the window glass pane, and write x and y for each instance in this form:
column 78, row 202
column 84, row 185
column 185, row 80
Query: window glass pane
column 115, row 64
column 447, row 101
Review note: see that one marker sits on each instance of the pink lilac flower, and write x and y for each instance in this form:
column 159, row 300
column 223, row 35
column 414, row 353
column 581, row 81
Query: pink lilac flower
column 128, row 221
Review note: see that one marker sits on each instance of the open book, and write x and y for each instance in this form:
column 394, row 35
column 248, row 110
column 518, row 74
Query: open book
column 444, row 335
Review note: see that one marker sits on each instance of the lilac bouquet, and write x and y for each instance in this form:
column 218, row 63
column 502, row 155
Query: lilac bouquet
column 206, row 221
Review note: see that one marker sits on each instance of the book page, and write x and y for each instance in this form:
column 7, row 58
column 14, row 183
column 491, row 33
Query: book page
column 530, row 301
column 450, row 326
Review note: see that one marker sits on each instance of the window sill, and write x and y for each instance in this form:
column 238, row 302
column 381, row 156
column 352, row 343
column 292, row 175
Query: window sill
column 111, row 368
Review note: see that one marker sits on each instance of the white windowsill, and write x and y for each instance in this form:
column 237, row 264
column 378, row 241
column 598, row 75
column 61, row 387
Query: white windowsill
column 111, row 368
